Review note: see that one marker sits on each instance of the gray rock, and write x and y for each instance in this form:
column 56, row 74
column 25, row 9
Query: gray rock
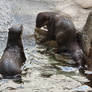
column 84, row 3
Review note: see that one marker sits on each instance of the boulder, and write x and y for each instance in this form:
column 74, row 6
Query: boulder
column 86, row 4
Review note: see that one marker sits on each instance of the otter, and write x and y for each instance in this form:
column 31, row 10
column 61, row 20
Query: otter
column 42, row 19
column 48, row 19
column 87, row 41
column 61, row 28
column 88, row 58
column 13, row 56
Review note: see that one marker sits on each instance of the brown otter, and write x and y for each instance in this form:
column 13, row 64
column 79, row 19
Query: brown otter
column 43, row 18
column 88, row 59
column 13, row 56
column 87, row 42
column 61, row 28
column 50, row 19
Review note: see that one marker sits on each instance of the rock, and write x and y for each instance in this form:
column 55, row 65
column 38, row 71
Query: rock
column 47, row 74
column 86, row 4
column 65, row 58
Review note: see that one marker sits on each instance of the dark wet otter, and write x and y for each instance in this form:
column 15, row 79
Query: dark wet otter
column 88, row 59
column 13, row 56
column 61, row 28
column 43, row 18
column 87, row 42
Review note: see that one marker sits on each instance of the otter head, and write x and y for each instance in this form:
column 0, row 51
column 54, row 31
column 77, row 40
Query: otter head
column 14, row 35
column 41, row 20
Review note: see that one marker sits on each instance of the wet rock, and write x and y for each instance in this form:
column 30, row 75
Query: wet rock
column 57, row 83
column 65, row 58
column 47, row 74
column 9, row 85
column 86, row 4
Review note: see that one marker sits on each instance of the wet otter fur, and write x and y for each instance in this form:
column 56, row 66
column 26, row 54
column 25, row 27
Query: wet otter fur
column 88, row 59
column 61, row 28
column 13, row 56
